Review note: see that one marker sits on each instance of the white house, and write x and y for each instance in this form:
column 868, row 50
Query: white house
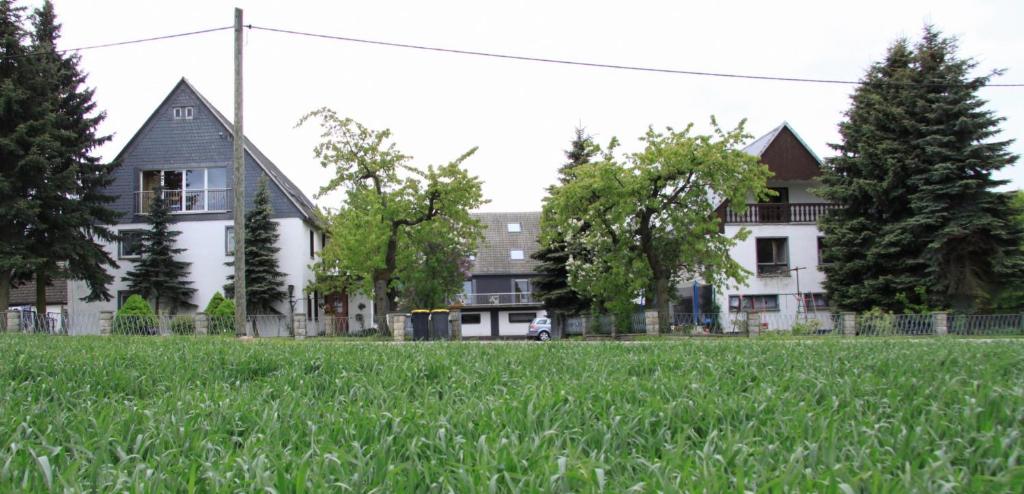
column 186, row 147
column 783, row 249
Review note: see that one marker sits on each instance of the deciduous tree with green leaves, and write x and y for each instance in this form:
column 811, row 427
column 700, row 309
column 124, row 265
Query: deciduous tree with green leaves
column 920, row 222
column 651, row 216
column 395, row 215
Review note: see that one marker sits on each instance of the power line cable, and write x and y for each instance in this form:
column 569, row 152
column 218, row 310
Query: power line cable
column 583, row 64
column 122, row 43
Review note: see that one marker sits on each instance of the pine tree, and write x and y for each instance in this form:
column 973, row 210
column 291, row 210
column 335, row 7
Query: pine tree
column 263, row 280
column 157, row 275
column 551, row 284
column 72, row 208
column 16, row 175
column 920, row 222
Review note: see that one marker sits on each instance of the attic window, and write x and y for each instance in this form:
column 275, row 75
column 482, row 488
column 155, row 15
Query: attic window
column 177, row 113
column 515, row 228
column 516, row 255
column 188, row 113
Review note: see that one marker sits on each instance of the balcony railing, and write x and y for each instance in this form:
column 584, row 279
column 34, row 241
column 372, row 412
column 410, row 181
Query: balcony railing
column 187, row 201
column 779, row 213
column 521, row 298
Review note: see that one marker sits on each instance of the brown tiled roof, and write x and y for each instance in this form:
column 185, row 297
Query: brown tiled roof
column 56, row 293
column 493, row 253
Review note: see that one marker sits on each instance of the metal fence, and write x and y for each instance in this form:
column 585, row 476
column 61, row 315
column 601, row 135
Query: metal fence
column 606, row 324
column 355, row 326
column 872, row 324
column 986, row 324
column 682, row 323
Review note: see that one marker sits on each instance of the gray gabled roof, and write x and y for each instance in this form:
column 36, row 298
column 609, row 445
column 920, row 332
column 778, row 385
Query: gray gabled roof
column 492, row 255
column 305, row 206
column 758, row 147
column 301, row 202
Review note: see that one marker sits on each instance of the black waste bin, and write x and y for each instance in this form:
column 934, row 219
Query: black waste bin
column 439, row 324
column 421, row 324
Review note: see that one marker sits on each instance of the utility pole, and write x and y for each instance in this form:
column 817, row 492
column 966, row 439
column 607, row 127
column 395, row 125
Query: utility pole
column 241, row 326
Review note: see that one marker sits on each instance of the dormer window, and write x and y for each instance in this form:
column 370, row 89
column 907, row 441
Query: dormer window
column 515, row 255
column 515, row 227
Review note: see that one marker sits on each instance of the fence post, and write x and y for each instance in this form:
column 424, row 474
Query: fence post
column 106, row 322
column 396, row 322
column 849, row 323
column 13, row 320
column 299, row 323
column 753, row 323
column 651, row 322
column 455, row 323
column 940, row 321
column 583, row 326
column 202, row 324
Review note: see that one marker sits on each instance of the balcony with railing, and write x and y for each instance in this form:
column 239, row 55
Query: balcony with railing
column 483, row 299
column 186, row 201
column 777, row 213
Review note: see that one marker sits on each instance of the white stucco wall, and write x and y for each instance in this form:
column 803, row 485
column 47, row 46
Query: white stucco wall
column 506, row 328
column 477, row 330
column 204, row 244
column 802, row 240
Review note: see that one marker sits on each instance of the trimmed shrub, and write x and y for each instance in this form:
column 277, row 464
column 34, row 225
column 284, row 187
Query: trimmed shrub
column 135, row 317
column 222, row 319
column 215, row 302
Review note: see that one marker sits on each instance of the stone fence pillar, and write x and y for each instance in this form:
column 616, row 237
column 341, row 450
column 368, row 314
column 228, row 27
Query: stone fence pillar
column 202, row 324
column 13, row 320
column 849, row 324
column 455, row 323
column 753, row 323
column 651, row 322
column 940, row 321
column 396, row 323
column 299, row 323
column 106, row 322
column 583, row 326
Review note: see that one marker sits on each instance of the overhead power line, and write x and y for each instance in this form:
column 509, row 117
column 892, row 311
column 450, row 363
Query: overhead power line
column 128, row 42
column 579, row 63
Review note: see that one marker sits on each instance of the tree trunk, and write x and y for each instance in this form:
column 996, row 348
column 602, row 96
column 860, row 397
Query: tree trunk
column 380, row 299
column 41, row 282
column 5, row 295
column 661, row 296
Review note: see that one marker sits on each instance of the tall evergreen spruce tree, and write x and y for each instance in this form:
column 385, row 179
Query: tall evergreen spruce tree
column 15, row 115
column 264, row 282
column 72, row 210
column 551, row 285
column 921, row 222
column 157, row 275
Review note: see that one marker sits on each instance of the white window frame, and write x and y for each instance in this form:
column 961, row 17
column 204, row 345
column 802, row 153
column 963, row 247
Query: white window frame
column 514, row 227
column 772, row 272
column 184, row 190
column 512, row 255
column 120, row 244
column 176, row 112
column 189, row 113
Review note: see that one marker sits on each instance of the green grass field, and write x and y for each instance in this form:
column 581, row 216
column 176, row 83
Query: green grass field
column 218, row 415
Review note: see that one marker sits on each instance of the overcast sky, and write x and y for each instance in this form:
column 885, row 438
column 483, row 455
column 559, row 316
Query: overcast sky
column 521, row 114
